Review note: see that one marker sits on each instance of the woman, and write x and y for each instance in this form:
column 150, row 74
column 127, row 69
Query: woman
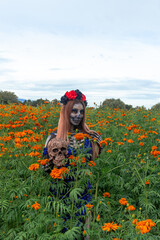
column 71, row 122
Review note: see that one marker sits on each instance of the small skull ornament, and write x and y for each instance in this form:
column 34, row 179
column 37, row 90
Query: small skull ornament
column 57, row 151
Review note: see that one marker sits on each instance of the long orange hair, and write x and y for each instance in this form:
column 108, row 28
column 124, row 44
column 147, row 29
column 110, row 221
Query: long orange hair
column 64, row 125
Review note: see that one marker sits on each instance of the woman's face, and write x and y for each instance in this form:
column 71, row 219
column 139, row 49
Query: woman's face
column 77, row 114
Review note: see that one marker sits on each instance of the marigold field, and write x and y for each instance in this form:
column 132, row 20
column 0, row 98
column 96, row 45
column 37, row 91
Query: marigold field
column 124, row 179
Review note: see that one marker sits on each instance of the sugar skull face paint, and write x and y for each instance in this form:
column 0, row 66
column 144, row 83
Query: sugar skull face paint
column 77, row 114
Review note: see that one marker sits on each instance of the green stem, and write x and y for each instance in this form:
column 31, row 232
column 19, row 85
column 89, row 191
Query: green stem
column 139, row 176
column 146, row 195
column 72, row 215
column 96, row 194
column 118, row 167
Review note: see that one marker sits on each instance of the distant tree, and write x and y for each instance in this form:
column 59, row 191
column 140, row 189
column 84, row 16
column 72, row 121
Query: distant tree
column 156, row 107
column 128, row 106
column 36, row 103
column 7, row 97
column 55, row 101
column 114, row 103
column 140, row 108
column 27, row 102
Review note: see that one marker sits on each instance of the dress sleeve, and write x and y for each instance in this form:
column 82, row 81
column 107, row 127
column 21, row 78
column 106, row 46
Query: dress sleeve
column 98, row 138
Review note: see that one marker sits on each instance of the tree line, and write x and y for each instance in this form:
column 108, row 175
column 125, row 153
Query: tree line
column 7, row 97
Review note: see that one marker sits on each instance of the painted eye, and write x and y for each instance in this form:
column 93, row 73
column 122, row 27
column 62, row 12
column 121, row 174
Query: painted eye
column 74, row 110
column 82, row 112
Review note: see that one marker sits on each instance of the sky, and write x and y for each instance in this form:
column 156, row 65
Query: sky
column 105, row 48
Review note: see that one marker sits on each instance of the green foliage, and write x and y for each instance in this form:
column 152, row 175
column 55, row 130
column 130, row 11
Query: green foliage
column 115, row 103
column 40, row 102
column 156, row 107
column 121, row 171
column 7, row 97
column 35, row 103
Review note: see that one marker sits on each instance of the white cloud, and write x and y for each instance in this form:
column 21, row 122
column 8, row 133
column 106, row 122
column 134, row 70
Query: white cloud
column 35, row 54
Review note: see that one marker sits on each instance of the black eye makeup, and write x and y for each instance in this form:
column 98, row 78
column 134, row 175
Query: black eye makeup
column 74, row 110
column 82, row 111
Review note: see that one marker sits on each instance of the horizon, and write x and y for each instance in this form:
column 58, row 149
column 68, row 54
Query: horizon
column 93, row 105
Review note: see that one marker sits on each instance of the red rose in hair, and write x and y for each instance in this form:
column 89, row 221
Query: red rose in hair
column 83, row 97
column 71, row 95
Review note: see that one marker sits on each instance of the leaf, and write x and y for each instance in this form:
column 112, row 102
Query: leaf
column 75, row 193
column 4, row 205
column 71, row 234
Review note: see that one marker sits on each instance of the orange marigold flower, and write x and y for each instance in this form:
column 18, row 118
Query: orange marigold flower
column 123, row 201
column 154, row 147
column 110, row 226
column 102, row 142
column 32, row 154
column 131, row 208
column 106, row 194
column 79, row 136
column 108, row 139
column 71, row 157
column 17, row 140
column 98, row 218
column 72, row 164
column 109, row 151
column 155, row 153
column 130, row 141
column 147, row 182
column 121, row 125
column 91, row 163
column 89, row 206
column 136, row 130
column 44, row 161
column 36, row 206
column 36, row 147
column 55, row 224
column 134, row 221
column 141, row 144
column 145, row 226
column 120, row 143
column 142, row 161
column 150, row 223
column 56, row 173
column 34, row 167
column 155, row 132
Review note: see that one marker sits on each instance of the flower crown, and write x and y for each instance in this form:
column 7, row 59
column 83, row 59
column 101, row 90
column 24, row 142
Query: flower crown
column 74, row 94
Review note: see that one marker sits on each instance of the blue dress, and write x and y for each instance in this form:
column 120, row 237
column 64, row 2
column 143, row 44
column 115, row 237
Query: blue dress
column 87, row 148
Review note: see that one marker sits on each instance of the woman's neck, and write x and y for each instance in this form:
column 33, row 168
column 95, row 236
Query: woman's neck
column 75, row 129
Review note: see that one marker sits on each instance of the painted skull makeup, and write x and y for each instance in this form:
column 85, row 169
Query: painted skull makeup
column 77, row 114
